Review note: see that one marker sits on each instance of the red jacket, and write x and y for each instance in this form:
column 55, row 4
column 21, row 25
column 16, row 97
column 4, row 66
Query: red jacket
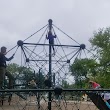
column 95, row 85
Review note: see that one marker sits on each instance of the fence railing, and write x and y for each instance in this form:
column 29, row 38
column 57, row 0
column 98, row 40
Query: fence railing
column 61, row 99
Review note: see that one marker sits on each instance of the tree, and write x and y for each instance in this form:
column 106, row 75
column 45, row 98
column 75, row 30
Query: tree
column 65, row 84
column 98, row 69
column 24, row 75
column 101, row 44
column 13, row 68
column 83, row 68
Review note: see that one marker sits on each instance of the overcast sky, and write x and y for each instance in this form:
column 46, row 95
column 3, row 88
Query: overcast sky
column 78, row 18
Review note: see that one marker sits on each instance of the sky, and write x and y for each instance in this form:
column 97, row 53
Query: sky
column 78, row 18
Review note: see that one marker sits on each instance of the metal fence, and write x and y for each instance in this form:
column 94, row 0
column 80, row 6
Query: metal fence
column 61, row 99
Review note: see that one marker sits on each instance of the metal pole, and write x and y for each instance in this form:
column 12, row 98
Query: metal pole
column 38, row 94
column 50, row 65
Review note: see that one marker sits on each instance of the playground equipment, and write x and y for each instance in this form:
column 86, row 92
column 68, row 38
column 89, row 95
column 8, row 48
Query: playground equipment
column 98, row 101
column 50, row 54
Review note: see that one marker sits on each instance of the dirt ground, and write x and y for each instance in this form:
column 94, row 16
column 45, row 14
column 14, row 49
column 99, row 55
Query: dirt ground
column 31, row 104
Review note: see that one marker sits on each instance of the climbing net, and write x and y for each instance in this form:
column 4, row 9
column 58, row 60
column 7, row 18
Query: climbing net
column 37, row 54
column 53, row 53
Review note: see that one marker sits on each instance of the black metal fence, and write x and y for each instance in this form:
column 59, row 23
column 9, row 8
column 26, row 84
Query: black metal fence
column 61, row 99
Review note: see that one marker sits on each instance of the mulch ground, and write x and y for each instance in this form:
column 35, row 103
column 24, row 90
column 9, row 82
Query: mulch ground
column 31, row 104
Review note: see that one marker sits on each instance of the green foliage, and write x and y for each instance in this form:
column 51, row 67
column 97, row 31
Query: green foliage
column 101, row 44
column 24, row 74
column 83, row 67
column 40, row 79
column 98, row 70
column 65, row 84
column 13, row 68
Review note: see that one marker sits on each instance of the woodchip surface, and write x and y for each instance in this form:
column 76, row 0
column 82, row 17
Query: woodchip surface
column 32, row 104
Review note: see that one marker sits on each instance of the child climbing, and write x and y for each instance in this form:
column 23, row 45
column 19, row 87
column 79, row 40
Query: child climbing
column 84, row 97
column 51, row 37
column 94, row 85
column 3, row 70
column 33, row 84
